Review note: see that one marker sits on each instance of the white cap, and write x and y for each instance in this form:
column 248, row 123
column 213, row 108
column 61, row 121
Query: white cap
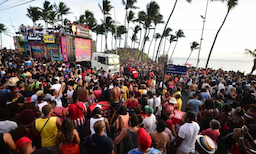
column 145, row 92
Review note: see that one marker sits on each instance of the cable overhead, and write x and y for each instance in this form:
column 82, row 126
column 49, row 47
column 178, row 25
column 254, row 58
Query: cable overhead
column 3, row 2
column 17, row 5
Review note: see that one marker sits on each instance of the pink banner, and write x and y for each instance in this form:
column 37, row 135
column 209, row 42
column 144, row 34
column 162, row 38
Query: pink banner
column 83, row 49
column 37, row 50
column 64, row 49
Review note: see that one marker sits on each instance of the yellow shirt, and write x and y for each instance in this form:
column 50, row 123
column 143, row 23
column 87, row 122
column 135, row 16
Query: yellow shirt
column 49, row 132
column 125, row 92
column 179, row 104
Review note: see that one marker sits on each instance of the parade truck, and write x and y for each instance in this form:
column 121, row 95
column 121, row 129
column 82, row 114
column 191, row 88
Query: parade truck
column 80, row 48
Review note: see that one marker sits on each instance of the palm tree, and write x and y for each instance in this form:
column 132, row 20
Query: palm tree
column 141, row 18
column 193, row 46
column 44, row 12
column 166, row 35
column 34, row 14
column 136, row 29
column 90, row 20
column 62, row 9
column 108, row 23
column 3, row 30
column 66, row 21
column 252, row 53
column 53, row 18
column 156, row 37
column 166, row 24
column 230, row 4
column 152, row 10
column 113, row 32
column 101, row 32
column 130, row 18
column 179, row 34
column 173, row 38
column 80, row 20
column 105, row 9
column 134, row 40
column 120, row 31
column 129, row 4
column 157, row 20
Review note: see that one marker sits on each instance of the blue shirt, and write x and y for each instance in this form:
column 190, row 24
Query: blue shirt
column 205, row 96
column 151, row 151
column 194, row 105
column 103, row 144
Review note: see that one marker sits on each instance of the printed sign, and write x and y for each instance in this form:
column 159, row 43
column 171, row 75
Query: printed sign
column 64, row 49
column 49, row 39
column 82, row 49
column 23, row 39
column 37, row 50
column 54, row 51
column 175, row 69
column 34, row 38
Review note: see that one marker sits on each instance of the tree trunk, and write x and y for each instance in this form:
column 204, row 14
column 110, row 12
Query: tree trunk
column 126, row 11
column 112, row 42
column 154, row 50
column 144, row 42
column 169, row 48
column 216, row 39
column 106, row 41
column 101, row 41
column 62, row 20
column 189, row 56
column 165, row 28
column 152, row 41
column 120, row 42
column 139, row 39
column 174, row 49
column 96, row 42
column 126, row 36
column 164, row 46
column 254, row 66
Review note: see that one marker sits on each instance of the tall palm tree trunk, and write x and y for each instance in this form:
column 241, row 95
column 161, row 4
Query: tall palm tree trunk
column 101, row 42
column 189, row 56
column 139, row 39
column 106, row 41
column 126, row 36
column 143, row 45
column 164, row 45
column 168, row 48
column 62, row 22
column 96, row 42
column 165, row 28
column 174, row 49
column 152, row 41
column 216, row 39
column 154, row 50
column 112, row 42
column 120, row 42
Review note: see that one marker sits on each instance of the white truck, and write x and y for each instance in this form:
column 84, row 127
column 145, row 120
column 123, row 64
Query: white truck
column 106, row 61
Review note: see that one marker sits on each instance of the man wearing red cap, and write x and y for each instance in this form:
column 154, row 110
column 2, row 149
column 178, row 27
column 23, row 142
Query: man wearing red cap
column 144, row 144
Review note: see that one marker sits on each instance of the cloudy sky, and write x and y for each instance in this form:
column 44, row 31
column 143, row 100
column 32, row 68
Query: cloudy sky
column 237, row 34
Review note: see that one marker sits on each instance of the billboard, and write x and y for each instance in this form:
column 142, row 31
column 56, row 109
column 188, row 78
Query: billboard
column 54, row 51
column 19, row 46
column 37, row 50
column 82, row 49
column 49, row 39
column 64, row 49
column 175, row 69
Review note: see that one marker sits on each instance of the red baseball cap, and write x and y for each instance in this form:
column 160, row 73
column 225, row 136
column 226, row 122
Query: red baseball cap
column 169, row 123
column 22, row 142
column 144, row 138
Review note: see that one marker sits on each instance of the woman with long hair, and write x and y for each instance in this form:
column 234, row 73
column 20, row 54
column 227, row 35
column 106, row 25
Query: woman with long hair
column 68, row 138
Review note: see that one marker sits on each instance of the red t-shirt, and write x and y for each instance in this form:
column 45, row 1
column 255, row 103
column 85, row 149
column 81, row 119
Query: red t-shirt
column 213, row 134
column 59, row 113
column 131, row 104
column 83, row 75
column 169, row 108
column 76, row 112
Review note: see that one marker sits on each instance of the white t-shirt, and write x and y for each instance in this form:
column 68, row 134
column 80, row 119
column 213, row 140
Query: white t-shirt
column 150, row 102
column 221, row 86
column 2, row 73
column 150, row 123
column 34, row 99
column 56, row 86
column 7, row 126
column 92, row 122
column 40, row 106
column 188, row 133
column 58, row 100
column 158, row 104
column 69, row 94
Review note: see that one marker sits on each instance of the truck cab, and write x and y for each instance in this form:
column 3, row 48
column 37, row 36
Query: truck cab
column 106, row 61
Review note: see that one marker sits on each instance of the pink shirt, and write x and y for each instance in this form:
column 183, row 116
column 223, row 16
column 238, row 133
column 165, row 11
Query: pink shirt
column 97, row 94
column 169, row 108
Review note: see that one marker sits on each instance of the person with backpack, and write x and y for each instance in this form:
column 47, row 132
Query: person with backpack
column 131, row 103
column 77, row 112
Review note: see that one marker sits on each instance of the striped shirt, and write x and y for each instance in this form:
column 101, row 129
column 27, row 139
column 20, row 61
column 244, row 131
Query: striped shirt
column 76, row 112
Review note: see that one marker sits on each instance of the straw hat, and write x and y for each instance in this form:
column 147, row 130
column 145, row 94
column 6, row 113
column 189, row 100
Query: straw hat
column 172, row 101
column 27, row 74
column 39, row 92
column 12, row 81
column 206, row 143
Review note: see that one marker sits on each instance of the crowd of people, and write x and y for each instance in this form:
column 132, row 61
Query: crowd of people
column 53, row 107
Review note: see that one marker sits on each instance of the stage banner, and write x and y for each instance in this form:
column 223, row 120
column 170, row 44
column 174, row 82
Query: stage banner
column 64, row 49
column 49, row 39
column 54, row 51
column 37, row 50
column 82, row 49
